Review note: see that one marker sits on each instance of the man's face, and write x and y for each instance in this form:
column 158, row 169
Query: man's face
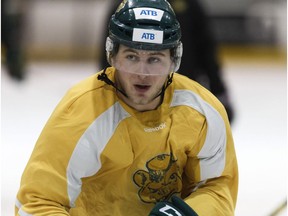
column 141, row 74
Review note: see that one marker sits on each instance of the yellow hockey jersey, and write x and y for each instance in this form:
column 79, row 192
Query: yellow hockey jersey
column 98, row 156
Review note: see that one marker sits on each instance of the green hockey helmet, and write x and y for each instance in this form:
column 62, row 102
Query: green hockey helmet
column 145, row 25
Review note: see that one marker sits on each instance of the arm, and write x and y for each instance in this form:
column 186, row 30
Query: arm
column 43, row 184
column 211, row 177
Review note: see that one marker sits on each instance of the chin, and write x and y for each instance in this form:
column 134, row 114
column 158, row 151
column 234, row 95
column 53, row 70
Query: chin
column 140, row 102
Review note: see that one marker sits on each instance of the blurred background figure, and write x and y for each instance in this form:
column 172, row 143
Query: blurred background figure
column 200, row 56
column 12, row 37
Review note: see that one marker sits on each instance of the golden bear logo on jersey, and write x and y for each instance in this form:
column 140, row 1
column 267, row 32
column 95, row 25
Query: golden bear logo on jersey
column 161, row 181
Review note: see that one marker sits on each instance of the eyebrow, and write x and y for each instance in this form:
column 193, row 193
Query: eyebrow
column 150, row 52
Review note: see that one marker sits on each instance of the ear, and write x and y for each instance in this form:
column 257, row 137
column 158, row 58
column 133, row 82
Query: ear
column 111, row 60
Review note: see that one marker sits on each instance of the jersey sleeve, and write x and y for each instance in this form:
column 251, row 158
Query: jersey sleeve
column 211, row 173
column 44, row 183
column 214, row 194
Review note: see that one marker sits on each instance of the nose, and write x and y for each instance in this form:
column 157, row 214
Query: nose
column 142, row 76
column 143, row 69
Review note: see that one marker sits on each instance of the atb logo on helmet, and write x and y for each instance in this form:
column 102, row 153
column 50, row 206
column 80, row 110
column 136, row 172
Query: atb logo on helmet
column 148, row 13
column 147, row 35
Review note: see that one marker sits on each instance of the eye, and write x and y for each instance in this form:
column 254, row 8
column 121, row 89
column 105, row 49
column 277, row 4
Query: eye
column 153, row 60
column 131, row 57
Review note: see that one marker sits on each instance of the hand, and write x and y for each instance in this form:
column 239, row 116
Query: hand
column 177, row 207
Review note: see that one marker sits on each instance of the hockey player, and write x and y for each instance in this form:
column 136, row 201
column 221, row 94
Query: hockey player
column 136, row 138
column 200, row 60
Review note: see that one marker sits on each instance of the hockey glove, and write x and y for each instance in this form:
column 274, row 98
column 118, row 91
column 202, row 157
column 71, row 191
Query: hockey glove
column 177, row 207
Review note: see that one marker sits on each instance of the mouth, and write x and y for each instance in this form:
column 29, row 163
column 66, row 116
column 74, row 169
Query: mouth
column 142, row 88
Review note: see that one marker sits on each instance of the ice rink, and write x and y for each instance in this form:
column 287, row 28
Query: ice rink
column 257, row 88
